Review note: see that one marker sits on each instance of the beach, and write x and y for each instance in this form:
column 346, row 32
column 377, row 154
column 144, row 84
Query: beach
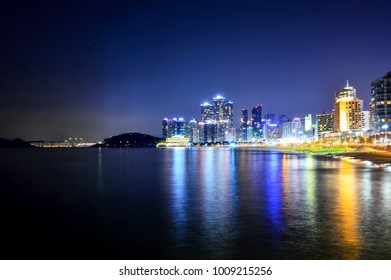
column 374, row 153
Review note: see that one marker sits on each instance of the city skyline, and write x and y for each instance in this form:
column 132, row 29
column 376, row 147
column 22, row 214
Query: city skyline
column 92, row 70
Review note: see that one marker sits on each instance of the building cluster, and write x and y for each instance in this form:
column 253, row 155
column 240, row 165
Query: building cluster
column 346, row 119
column 216, row 124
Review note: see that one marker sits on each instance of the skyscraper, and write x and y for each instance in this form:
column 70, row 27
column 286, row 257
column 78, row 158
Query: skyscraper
column 347, row 110
column 256, row 119
column 324, row 123
column 165, row 128
column 174, row 127
column 223, row 115
column 217, row 119
column 243, row 126
column 380, row 106
column 207, row 112
column 194, row 134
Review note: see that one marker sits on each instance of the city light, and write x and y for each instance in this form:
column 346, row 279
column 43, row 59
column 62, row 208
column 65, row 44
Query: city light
column 347, row 124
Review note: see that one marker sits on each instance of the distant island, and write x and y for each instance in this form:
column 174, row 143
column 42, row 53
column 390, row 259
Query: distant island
column 15, row 143
column 129, row 140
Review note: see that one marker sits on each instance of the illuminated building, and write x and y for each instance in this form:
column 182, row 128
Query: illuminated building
column 207, row 132
column 292, row 130
column 347, row 110
column 223, row 115
column 380, row 106
column 165, row 128
column 324, row 123
column 282, row 119
column 307, row 128
column 365, row 121
column 217, row 120
column 249, row 133
column 207, row 112
column 173, row 127
column 194, row 133
column 270, row 131
column 175, row 141
column 307, row 123
column 243, row 126
column 256, row 119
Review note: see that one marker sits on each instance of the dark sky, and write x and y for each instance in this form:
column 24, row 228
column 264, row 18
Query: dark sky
column 93, row 69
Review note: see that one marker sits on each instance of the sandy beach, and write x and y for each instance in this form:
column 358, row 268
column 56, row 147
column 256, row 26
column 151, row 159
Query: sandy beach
column 375, row 154
column 369, row 154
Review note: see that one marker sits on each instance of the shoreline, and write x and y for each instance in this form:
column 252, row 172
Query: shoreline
column 363, row 153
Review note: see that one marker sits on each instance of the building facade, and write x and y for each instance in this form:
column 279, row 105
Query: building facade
column 217, row 121
column 347, row 110
column 292, row 130
column 256, row 123
column 380, row 105
column 365, row 121
column 243, row 126
column 324, row 124
column 174, row 127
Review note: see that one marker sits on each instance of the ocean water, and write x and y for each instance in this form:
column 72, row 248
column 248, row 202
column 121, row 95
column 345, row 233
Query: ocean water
column 197, row 203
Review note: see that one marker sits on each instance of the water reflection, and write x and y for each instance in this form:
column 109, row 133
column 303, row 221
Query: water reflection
column 179, row 184
column 237, row 203
column 202, row 189
column 309, row 186
column 100, row 172
column 273, row 192
column 346, row 210
column 219, row 199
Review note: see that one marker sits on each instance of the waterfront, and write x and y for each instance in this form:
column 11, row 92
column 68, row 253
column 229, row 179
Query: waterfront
column 197, row 203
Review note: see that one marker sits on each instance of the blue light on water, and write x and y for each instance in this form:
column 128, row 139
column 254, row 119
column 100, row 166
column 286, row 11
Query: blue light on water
column 179, row 185
column 273, row 190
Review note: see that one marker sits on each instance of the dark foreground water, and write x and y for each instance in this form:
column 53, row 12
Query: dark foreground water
column 199, row 203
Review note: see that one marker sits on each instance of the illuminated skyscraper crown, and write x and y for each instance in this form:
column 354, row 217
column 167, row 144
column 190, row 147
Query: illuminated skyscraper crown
column 348, row 92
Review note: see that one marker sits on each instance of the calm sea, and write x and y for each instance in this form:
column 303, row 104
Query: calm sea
column 197, row 203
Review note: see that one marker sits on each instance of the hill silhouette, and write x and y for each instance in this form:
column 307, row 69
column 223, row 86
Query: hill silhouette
column 130, row 140
column 15, row 143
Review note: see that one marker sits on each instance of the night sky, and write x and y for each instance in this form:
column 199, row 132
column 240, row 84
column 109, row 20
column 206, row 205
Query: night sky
column 94, row 69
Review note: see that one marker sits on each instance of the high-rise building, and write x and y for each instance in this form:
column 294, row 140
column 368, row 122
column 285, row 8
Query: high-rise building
column 217, row 119
column 307, row 128
column 347, row 110
column 365, row 123
column 207, row 112
column 194, row 134
column 380, row 106
column 174, row 127
column 165, row 128
column 306, row 123
column 223, row 115
column 256, row 122
column 324, row 123
column 243, row 126
column 291, row 130
column 207, row 132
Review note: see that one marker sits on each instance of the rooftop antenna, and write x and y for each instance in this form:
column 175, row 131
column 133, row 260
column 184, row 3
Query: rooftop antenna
column 347, row 83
